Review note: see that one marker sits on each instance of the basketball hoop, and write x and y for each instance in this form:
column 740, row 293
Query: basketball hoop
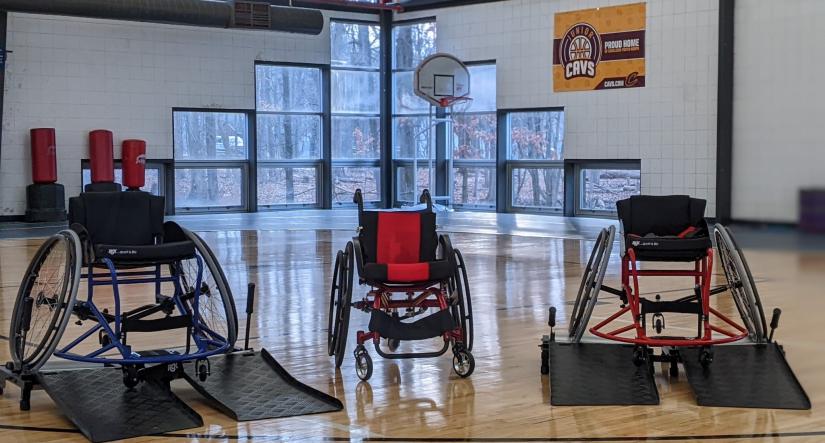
column 441, row 79
column 449, row 102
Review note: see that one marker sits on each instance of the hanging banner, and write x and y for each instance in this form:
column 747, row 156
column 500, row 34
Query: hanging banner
column 600, row 48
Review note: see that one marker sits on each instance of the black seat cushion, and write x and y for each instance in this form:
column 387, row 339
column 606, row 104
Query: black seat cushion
column 161, row 253
column 665, row 228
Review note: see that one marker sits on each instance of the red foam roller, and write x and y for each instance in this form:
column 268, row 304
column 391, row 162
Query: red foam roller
column 101, row 156
column 44, row 156
column 134, row 163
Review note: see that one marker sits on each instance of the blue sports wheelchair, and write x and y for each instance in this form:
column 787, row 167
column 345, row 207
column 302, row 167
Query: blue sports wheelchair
column 117, row 239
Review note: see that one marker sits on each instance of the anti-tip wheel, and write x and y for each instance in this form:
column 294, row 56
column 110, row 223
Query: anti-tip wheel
column 393, row 344
column 463, row 363
column 363, row 363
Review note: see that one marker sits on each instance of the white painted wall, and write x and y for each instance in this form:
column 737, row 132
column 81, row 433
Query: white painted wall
column 670, row 124
column 779, row 106
column 82, row 74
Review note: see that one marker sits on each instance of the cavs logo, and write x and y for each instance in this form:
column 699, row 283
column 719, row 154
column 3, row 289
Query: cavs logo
column 580, row 51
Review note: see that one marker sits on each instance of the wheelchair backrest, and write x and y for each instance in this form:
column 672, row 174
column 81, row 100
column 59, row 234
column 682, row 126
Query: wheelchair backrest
column 397, row 236
column 660, row 215
column 128, row 218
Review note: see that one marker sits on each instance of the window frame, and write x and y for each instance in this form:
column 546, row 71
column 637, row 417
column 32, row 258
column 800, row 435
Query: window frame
column 382, row 149
column 578, row 166
column 247, row 203
column 321, row 164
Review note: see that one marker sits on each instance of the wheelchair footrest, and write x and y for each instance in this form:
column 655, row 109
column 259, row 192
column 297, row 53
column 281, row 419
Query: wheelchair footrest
column 156, row 324
column 428, row 327
column 103, row 409
column 679, row 307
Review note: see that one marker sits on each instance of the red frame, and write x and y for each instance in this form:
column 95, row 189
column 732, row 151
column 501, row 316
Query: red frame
column 380, row 298
column 701, row 274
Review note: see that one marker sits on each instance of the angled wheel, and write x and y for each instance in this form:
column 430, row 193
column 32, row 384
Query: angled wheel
column 332, row 325
column 741, row 284
column 591, row 284
column 216, row 306
column 343, row 297
column 463, row 310
column 45, row 301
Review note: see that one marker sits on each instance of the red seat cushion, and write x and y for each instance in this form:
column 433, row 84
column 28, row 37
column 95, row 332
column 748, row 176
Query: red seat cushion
column 407, row 272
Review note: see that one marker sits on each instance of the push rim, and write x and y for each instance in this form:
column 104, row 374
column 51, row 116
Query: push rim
column 740, row 284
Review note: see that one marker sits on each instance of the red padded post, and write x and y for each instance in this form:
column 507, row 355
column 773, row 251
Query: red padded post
column 44, row 156
column 134, row 164
column 101, row 157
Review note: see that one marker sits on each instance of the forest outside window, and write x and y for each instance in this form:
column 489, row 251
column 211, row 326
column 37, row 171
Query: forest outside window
column 535, row 154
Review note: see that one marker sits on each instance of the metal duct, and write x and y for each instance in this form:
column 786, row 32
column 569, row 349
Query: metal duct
column 208, row 13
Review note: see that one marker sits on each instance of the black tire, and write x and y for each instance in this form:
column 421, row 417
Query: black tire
column 591, row 284
column 741, row 284
column 463, row 363
column 393, row 344
column 463, row 310
column 344, row 305
column 216, row 306
column 332, row 324
column 363, row 363
column 45, row 301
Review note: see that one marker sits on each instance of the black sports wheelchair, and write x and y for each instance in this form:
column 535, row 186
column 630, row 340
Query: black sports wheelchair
column 412, row 273
column 117, row 239
column 668, row 229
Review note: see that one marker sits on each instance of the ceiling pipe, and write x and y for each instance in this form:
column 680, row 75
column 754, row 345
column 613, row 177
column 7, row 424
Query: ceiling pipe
column 234, row 14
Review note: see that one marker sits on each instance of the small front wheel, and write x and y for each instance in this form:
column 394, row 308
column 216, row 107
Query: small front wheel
column 639, row 356
column 393, row 344
column 463, row 363
column 363, row 363
column 706, row 358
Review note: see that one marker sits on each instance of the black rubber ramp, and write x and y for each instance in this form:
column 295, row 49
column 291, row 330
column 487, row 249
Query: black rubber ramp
column 745, row 376
column 103, row 409
column 254, row 386
column 595, row 374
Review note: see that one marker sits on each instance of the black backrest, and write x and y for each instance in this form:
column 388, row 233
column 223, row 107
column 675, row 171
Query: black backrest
column 129, row 218
column 660, row 215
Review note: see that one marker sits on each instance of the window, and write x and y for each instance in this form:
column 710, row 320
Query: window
column 211, row 160
column 473, row 142
column 290, row 137
column 356, row 110
column 535, row 154
column 601, row 186
column 411, row 44
column 153, row 183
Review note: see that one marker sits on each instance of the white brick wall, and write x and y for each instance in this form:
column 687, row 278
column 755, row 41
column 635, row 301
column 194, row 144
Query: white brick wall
column 779, row 104
column 82, row 74
column 670, row 124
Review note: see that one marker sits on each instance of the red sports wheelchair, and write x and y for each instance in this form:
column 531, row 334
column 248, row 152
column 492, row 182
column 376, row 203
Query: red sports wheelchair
column 668, row 229
column 412, row 273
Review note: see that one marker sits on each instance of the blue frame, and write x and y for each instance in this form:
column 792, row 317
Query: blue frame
column 199, row 331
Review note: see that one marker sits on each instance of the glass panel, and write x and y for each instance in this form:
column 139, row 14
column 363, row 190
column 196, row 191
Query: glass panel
column 355, row 44
column 355, row 92
column 536, row 135
column 474, row 186
column 538, row 188
column 203, row 188
column 602, row 188
column 356, row 137
column 409, row 135
column 286, row 88
column 210, row 136
column 345, row 180
column 412, row 43
column 285, row 185
column 289, row 137
column 151, row 183
column 474, row 136
column 482, row 88
column 406, row 191
column 404, row 99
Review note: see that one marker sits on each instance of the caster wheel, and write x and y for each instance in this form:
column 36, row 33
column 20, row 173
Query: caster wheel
column 203, row 372
column 463, row 363
column 639, row 356
column 393, row 344
column 130, row 377
column 706, row 358
column 25, row 405
column 658, row 326
column 363, row 363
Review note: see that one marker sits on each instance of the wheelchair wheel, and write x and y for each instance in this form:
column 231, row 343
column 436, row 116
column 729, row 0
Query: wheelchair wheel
column 343, row 297
column 332, row 331
column 45, row 301
column 741, row 284
column 463, row 310
column 216, row 306
column 591, row 284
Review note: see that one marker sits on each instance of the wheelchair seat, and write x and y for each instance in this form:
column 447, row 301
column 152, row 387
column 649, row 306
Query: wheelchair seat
column 127, row 228
column 664, row 228
column 400, row 247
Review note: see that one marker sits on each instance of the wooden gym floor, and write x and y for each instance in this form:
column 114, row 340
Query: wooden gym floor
column 514, row 279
